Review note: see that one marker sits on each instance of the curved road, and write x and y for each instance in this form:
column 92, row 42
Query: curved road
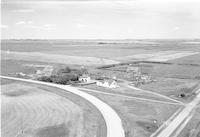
column 113, row 122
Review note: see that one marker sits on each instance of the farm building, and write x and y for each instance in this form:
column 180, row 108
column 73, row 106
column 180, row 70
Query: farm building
column 20, row 74
column 107, row 84
column 134, row 70
column 145, row 77
column 84, row 78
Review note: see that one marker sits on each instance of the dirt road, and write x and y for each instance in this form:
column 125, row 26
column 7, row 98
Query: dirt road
column 131, row 97
column 113, row 122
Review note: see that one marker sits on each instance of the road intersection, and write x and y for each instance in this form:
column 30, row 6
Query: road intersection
column 175, row 126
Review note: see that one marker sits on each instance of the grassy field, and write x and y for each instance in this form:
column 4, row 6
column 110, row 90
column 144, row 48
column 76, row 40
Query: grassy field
column 69, row 115
column 156, row 56
column 56, row 58
column 193, row 59
column 173, row 88
column 99, row 48
column 122, row 90
column 11, row 67
column 37, row 112
column 140, row 118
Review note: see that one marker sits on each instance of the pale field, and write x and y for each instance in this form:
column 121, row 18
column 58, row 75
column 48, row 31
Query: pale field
column 39, row 113
column 55, row 58
column 193, row 59
column 90, row 61
column 97, row 52
column 157, row 56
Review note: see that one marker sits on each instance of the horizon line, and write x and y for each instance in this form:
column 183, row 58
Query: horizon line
column 103, row 39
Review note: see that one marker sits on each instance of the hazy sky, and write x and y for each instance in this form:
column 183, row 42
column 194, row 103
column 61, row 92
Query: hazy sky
column 100, row 19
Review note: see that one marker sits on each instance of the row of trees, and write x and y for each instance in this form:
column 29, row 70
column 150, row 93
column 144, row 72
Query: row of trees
column 63, row 79
column 64, row 76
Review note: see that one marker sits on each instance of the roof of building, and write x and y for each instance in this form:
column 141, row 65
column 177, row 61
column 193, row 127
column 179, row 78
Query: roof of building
column 84, row 76
column 132, row 69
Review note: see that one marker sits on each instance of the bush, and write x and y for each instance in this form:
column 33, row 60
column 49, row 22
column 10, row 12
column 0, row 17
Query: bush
column 64, row 79
column 63, row 76
column 61, row 80
column 65, row 70
column 68, row 70
column 80, row 72
column 45, row 79
column 182, row 95
column 70, row 77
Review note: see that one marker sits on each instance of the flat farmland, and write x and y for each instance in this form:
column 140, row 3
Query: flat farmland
column 11, row 67
column 190, row 60
column 129, row 93
column 139, row 118
column 157, row 56
column 30, row 110
column 56, row 58
column 122, row 50
column 40, row 111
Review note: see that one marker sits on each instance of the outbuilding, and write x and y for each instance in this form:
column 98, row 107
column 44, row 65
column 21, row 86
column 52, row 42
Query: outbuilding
column 107, row 84
column 84, row 79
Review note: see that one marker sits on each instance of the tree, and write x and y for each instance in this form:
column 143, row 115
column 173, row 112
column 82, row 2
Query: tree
column 70, row 77
column 65, row 70
column 45, row 79
column 64, row 79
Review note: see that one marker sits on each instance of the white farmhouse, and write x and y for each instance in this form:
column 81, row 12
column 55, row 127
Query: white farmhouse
column 107, row 84
column 85, row 79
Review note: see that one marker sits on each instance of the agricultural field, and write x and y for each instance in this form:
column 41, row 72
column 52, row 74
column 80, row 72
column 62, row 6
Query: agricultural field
column 36, row 111
column 139, row 118
column 41, row 111
column 107, row 49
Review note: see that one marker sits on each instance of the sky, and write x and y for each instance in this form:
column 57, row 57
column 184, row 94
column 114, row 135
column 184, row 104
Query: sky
column 100, row 19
